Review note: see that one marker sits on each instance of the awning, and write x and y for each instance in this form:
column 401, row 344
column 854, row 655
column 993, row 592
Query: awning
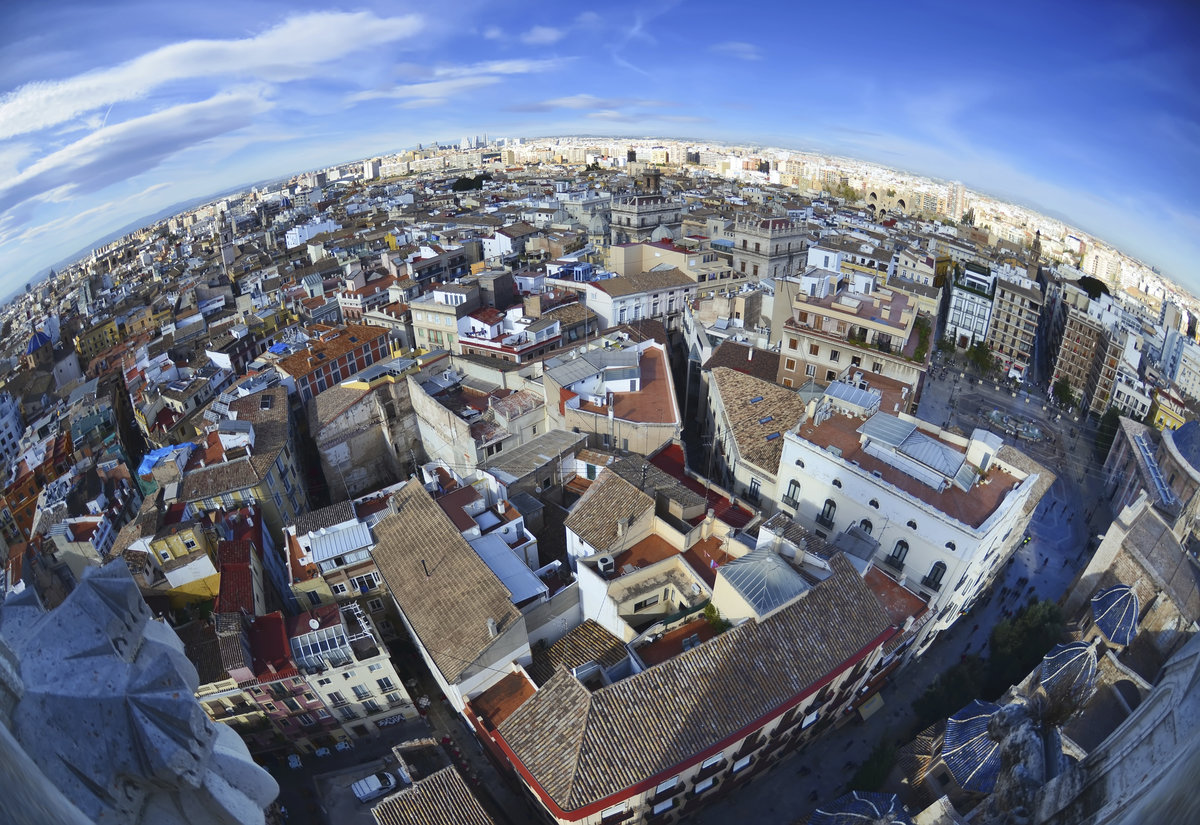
column 869, row 707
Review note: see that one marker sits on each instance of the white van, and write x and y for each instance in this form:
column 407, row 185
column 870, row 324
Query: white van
column 373, row 787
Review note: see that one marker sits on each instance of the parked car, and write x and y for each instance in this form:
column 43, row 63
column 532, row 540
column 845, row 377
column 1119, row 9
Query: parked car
column 373, row 787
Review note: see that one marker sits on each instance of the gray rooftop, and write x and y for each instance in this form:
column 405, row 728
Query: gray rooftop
column 513, row 465
column 764, row 580
column 329, row 543
column 887, row 428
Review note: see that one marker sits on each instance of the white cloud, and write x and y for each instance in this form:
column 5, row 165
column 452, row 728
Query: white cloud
column 434, row 90
column 454, row 80
column 518, row 66
column 737, row 49
column 542, row 36
column 116, row 153
column 293, row 50
column 493, row 33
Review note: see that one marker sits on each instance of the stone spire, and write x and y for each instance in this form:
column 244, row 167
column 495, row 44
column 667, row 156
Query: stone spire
column 98, row 717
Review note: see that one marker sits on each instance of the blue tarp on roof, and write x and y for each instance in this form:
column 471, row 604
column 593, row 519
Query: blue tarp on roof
column 278, row 349
column 154, row 456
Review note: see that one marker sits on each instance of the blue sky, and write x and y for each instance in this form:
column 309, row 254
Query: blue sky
column 113, row 111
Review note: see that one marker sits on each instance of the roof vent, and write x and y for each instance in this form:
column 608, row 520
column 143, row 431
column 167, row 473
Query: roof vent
column 493, row 631
column 606, row 565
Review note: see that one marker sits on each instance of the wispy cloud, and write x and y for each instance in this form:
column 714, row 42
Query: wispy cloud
column 450, row 81
column 124, row 150
column 738, row 49
column 493, row 33
column 293, row 50
column 542, row 36
column 587, row 101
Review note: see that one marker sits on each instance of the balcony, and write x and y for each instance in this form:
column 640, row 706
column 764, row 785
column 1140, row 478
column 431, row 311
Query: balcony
column 893, row 562
column 932, row 583
column 788, row 501
column 825, row 521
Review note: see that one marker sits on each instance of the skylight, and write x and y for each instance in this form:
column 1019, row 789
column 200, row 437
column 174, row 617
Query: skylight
column 772, row 436
column 765, row 419
column 756, row 399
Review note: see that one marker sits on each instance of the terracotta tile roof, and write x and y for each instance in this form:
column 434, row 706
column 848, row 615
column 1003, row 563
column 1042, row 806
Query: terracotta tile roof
column 582, row 747
column 343, row 340
column 449, row 608
column 203, row 650
column 270, row 436
column 588, row 642
column 609, row 500
column 441, row 798
column 760, row 363
column 325, row 517
column 637, row 283
column 498, row 702
column 757, row 426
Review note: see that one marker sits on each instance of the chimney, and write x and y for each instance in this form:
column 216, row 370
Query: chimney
column 493, row 631
column 750, row 354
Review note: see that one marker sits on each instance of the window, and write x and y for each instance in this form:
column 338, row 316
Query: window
column 810, row 371
column 336, row 699
column 934, row 579
column 386, row 684
column 361, row 692
column 830, row 375
column 712, row 760
column 338, row 589
column 704, row 784
column 827, row 513
column 874, row 503
column 793, row 343
column 306, row 719
column 900, row 551
column 348, row 713
column 371, row 706
column 866, row 526
column 644, row 603
column 837, row 482
column 742, row 763
column 789, row 364
column 665, row 805
column 950, row 546
column 813, row 349
column 663, row 787
column 912, row 525
column 755, row 489
column 314, row 597
column 375, row 605
column 834, row 355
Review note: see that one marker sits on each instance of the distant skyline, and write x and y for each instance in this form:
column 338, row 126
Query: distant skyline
column 114, row 111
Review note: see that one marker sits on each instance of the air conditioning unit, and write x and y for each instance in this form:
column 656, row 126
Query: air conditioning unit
column 606, row 565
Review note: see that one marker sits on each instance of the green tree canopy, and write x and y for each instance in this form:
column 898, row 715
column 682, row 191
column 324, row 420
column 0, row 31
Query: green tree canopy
column 1064, row 393
column 1107, row 431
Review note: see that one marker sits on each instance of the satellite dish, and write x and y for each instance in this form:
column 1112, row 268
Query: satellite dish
column 314, row 624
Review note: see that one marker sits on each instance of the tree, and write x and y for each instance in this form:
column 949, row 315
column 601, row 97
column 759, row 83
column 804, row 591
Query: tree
column 1094, row 287
column 1107, row 431
column 1063, row 392
column 981, row 357
column 1019, row 643
column 968, row 217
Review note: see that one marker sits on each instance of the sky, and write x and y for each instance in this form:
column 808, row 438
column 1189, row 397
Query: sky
column 112, row 111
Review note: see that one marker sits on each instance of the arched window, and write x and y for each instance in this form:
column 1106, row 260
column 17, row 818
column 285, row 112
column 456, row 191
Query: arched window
column 792, row 498
column 950, row 546
column 866, row 526
column 826, row 517
column 875, row 503
column 934, row 579
column 912, row 525
column 837, row 483
column 899, row 553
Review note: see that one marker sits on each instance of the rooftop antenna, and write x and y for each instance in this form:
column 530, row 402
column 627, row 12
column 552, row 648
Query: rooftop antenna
column 425, row 568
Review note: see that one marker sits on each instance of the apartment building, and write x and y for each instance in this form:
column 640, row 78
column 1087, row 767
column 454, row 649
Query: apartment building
column 709, row 267
column 659, row 294
column 641, row 218
column 332, row 355
column 840, row 327
column 345, row 662
column 769, row 248
column 509, row 336
column 437, row 315
column 971, row 298
column 942, row 512
column 745, row 420
column 1016, row 313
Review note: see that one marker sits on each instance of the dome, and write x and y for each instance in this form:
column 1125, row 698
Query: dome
column 1115, row 611
column 1187, row 442
column 970, row 754
column 38, row 340
column 862, row 808
column 1069, row 669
